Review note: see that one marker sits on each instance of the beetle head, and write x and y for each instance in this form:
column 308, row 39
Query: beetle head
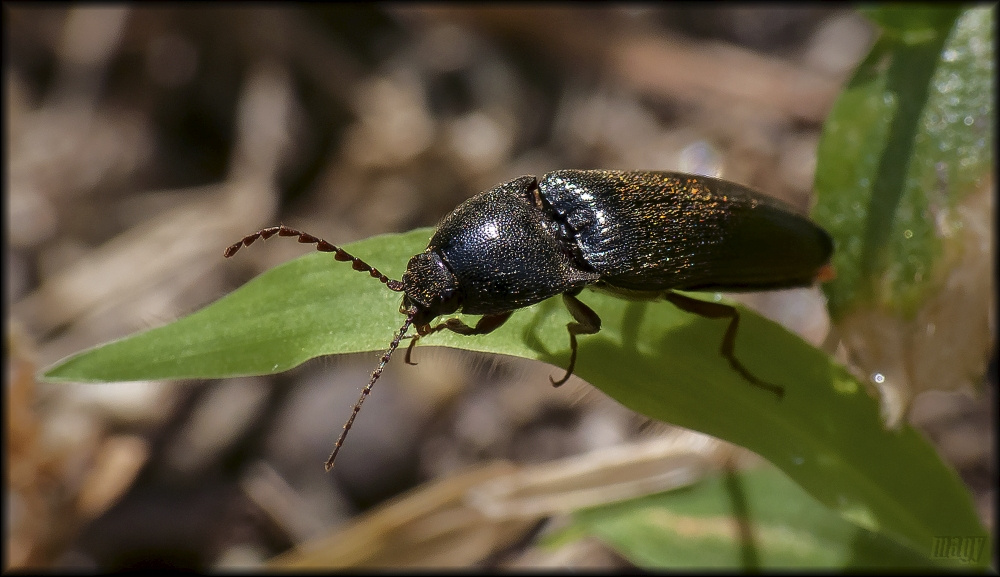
column 430, row 287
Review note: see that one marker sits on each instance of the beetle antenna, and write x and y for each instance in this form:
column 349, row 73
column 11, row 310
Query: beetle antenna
column 322, row 246
column 368, row 388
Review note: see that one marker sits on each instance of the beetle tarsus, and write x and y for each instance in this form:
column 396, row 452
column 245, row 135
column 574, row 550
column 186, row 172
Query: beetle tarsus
column 711, row 310
column 409, row 349
column 586, row 323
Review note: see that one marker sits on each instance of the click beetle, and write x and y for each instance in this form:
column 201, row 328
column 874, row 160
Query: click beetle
column 639, row 235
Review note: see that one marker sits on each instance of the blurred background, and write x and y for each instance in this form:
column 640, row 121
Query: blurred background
column 143, row 141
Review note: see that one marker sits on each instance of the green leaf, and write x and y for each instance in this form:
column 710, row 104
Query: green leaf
column 825, row 433
column 914, row 23
column 297, row 311
column 909, row 138
column 748, row 520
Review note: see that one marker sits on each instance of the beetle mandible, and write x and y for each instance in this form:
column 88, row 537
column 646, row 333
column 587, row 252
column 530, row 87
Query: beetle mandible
column 637, row 234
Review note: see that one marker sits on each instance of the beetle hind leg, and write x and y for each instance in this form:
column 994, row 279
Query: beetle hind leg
column 586, row 323
column 486, row 324
column 711, row 310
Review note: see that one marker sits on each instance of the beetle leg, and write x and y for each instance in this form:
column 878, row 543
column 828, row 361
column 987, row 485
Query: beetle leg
column 711, row 310
column 486, row 324
column 587, row 323
column 413, row 341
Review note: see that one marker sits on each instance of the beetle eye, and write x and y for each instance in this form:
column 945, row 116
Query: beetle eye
column 447, row 294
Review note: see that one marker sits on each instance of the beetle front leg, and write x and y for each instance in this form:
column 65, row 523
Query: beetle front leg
column 486, row 324
column 711, row 310
column 587, row 323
